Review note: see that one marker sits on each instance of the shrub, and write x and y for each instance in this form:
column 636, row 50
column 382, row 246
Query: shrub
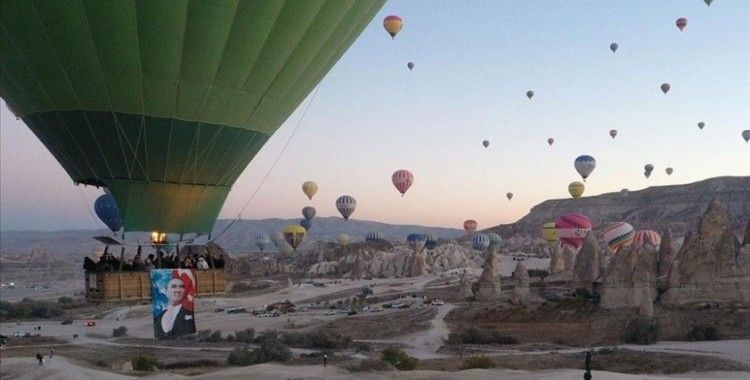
column 191, row 364
column 399, row 359
column 144, row 363
column 319, row 339
column 209, row 336
column 120, row 331
column 215, row 336
column 369, row 365
column 478, row 362
column 241, row 356
column 703, row 332
column 474, row 335
column 272, row 349
column 30, row 309
column 364, row 347
column 641, row 331
column 246, row 335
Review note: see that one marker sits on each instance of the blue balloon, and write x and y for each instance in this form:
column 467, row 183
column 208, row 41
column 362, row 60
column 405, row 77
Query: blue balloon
column 106, row 209
column 306, row 224
column 480, row 242
column 373, row 236
column 430, row 242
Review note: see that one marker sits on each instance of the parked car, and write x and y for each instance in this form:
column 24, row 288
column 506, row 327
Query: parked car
column 67, row 322
column 219, row 309
column 19, row 334
column 437, row 302
column 330, row 312
column 352, row 312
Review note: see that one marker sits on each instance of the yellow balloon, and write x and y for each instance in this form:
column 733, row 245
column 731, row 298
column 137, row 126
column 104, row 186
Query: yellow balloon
column 576, row 189
column 293, row 234
column 310, row 188
column 549, row 233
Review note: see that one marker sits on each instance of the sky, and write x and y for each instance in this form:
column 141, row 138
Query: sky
column 474, row 62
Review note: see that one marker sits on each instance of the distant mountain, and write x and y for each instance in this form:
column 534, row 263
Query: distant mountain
column 677, row 206
column 239, row 238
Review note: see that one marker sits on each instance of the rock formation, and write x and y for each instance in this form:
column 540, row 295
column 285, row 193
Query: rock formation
column 586, row 267
column 464, row 286
column 629, row 278
column 417, row 267
column 489, row 285
column 520, row 295
column 746, row 239
column 289, row 282
column 556, row 262
column 711, row 266
column 646, row 308
column 358, row 270
column 666, row 254
column 569, row 257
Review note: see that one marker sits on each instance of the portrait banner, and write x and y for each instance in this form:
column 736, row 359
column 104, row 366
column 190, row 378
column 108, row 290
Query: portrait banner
column 172, row 301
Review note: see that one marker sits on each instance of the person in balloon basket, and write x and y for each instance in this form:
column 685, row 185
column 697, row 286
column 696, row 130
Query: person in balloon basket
column 178, row 318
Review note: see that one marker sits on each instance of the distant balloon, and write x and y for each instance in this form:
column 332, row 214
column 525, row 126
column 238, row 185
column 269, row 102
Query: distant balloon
column 509, row 196
column 278, row 240
column 669, row 171
column 403, row 180
column 430, row 242
column 576, row 189
column 480, row 242
column 646, row 237
column 708, row 2
column 572, row 228
column 647, row 174
column 343, row 239
column 681, row 23
column 106, row 209
column 665, row 87
column 648, row 167
column 373, row 236
column 624, row 192
column 416, row 241
column 309, row 188
column 410, row 65
column 294, row 234
column 495, row 240
column 584, row 166
column 529, row 94
column 618, row 235
column 393, row 25
column 550, row 141
column 346, row 205
column 746, row 134
column 263, row 242
column 613, row 46
column 701, row 125
column 306, row 224
column 308, row 212
column 549, row 232
column 613, row 133
column 470, row 226
column 486, row 143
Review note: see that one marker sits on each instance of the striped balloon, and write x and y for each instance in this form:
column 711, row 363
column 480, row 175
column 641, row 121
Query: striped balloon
column 549, row 233
column 480, row 242
column 584, row 165
column 373, row 236
column 263, row 242
column 618, row 235
column 646, row 237
column 402, row 179
column 416, row 241
column 495, row 239
column 572, row 228
column 346, row 205
column 470, row 225
column 430, row 242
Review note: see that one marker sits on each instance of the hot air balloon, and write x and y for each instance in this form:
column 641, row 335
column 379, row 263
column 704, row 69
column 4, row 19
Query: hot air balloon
column 308, row 212
column 618, row 235
column 572, row 228
column 262, row 241
column 708, row 2
column 681, row 23
column 430, row 242
column 346, row 205
column 480, row 242
column 293, row 234
column 550, row 141
column 278, row 239
column 576, row 189
column 373, row 236
column 470, row 226
column 669, row 171
column 106, row 209
column 549, row 232
column 509, row 196
column 393, row 25
column 665, row 87
column 165, row 103
column 648, row 167
column 416, row 241
column 410, row 65
column 643, row 237
column 310, row 188
column 746, row 135
column 647, row 174
column 495, row 240
column 343, row 239
column 624, row 192
column 613, row 133
column 613, row 46
column 701, row 125
column 529, row 94
column 306, row 224
column 584, row 166
column 402, row 179
column 486, row 143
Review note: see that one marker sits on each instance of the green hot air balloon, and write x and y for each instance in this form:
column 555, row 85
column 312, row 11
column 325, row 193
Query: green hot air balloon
column 165, row 103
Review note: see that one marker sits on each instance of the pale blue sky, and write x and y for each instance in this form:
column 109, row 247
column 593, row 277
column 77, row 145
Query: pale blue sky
column 474, row 62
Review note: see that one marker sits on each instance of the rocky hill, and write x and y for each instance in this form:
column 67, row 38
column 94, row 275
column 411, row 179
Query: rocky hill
column 678, row 207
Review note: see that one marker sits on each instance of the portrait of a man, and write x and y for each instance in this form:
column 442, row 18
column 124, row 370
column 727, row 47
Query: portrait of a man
column 172, row 293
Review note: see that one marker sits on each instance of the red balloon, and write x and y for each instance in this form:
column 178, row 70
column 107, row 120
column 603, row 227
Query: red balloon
column 681, row 23
column 402, row 179
column 470, row 226
column 572, row 228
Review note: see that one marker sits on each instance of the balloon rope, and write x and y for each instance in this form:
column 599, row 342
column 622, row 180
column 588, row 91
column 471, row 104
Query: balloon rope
column 273, row 165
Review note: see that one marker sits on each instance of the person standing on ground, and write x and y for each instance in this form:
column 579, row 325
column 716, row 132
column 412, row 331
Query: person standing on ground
column 39, row 357
column 325, row 360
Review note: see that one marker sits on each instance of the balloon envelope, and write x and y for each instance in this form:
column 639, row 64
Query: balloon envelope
column 701, row 125
column 106, row 209
column 669, row 171
column 665, row 87
column 572, row 228
column 308, row 212
column 310, row 188
column 430, row 242
column 343, row 239
column 584, row 165
column 529, row 94
column 480, row 242
column 509, row 196
column 416, row 241
column 613, row 46
column 410, row 65
column 486, row 143
column 618, row 235
column 550, row 141
column 648, row 167
column 166, row 103
column 646, row 237
column 576, row 189
column 746, row 135
column 681, row 23
column 495, row 239
column 263, row 242
column 373, row 236
column 613, row 133
column 393, row 24
column 346, row 205
column 470, row 225
column 402, row 180
column 549, row 232
column 294, row 234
